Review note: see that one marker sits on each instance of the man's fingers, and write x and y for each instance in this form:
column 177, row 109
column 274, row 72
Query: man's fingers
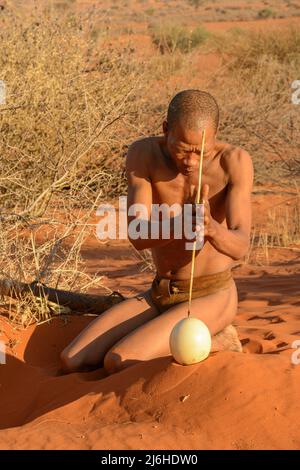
column 192, row 194
column 194, row 209
column 205, row 192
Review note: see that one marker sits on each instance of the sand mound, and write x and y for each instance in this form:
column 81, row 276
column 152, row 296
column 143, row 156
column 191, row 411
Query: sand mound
column 231, row 400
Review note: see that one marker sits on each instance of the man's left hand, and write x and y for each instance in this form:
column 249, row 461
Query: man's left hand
column 209, row 222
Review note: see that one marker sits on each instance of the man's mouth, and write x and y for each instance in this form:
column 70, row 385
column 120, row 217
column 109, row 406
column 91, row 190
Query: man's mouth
column 189, row 170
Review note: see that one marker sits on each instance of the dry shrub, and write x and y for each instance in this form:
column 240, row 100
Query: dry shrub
column 74, row 103
column 266, row 13
column 62, row 142
column 169, row 38
column 254, row 92
column 280, row 45
column 282, row 230
column 46, row 251
column 62, row 128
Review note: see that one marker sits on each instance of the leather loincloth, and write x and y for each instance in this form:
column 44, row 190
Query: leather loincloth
column 168, row 292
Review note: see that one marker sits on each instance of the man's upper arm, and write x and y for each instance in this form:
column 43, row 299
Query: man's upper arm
column 138, row 177
column 238, row 203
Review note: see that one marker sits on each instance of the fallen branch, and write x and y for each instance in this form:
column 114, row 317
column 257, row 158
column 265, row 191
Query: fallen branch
column 79, row 303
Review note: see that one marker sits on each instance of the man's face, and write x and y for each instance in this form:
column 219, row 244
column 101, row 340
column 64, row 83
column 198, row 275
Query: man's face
column 184, row 146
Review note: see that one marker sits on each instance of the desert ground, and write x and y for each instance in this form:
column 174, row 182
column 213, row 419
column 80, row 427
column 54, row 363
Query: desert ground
column 65, row 127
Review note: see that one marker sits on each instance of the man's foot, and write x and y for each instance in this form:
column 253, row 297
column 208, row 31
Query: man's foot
column 226, row 340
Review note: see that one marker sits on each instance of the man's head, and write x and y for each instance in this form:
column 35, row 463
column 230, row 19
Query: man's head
column 189, row 112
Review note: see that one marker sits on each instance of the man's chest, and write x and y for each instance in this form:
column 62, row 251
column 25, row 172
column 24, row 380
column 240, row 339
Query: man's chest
column 167, row 189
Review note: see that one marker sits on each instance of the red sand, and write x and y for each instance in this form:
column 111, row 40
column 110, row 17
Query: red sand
column 246, row 400
column 243, row 401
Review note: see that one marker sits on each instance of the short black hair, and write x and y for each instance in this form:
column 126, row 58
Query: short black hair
column 193, row 109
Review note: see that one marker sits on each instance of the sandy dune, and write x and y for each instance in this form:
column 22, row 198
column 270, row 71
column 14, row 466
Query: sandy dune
column 243, row 400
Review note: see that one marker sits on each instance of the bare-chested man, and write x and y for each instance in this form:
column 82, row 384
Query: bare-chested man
column 164, row 169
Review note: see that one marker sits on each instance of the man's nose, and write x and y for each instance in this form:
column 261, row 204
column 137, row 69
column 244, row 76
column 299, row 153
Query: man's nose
column 191, row 160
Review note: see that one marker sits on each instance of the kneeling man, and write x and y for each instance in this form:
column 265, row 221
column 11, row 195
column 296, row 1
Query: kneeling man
column 164, row 170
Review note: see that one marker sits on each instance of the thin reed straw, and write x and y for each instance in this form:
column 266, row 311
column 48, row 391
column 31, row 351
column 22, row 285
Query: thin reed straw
column 197, row 202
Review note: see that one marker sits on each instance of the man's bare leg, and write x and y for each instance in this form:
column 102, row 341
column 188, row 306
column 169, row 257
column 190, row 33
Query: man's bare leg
column 151, row 340
column 88, row 349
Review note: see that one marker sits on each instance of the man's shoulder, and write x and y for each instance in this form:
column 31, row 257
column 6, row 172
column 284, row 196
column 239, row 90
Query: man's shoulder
column 234, row 157
column 233, row 153
column 237, row 163
column 139, row 155
column 143, row 144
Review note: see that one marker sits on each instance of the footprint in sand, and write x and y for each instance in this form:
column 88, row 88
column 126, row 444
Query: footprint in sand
column 251, row 346
column 269, row 319
column 283, row 345
column 269, row 336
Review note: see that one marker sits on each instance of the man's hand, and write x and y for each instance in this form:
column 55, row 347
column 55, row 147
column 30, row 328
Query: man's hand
column 209, row 222
column 233, row 238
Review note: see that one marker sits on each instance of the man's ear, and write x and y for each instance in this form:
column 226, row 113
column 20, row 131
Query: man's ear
column 165, row 128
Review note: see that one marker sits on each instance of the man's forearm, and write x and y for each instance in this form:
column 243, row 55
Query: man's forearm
column 144, row 244
column 153, row 234
column 232, row 243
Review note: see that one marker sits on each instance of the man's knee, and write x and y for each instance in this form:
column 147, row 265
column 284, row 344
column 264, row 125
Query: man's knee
column 112, row 362
column 69, row 362
column 115, row 361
